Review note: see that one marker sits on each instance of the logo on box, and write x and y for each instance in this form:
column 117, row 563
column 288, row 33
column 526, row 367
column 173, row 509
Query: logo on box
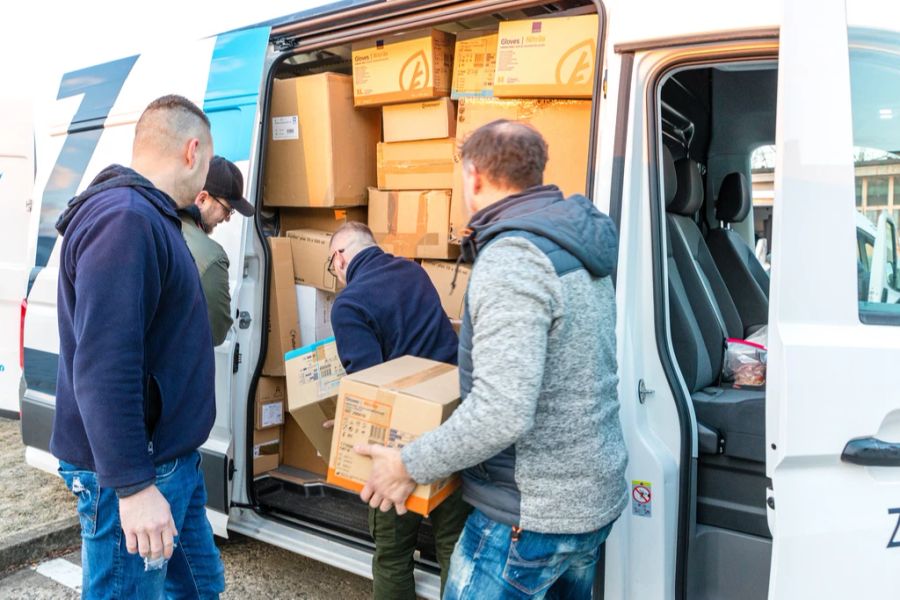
column 536, row 27
column 577, row 65
column 414, row 73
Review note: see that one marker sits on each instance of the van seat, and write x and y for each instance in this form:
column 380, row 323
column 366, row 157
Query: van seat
column 744, row 276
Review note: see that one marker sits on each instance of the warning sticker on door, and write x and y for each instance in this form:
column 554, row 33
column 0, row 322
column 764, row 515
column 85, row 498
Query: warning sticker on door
column 641, row 498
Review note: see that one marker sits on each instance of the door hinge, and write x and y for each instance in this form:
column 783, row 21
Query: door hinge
column 644, row 391
column 244, row 320
column 236, row 360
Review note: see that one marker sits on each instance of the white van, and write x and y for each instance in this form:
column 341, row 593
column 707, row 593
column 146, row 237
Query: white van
column 791, row 490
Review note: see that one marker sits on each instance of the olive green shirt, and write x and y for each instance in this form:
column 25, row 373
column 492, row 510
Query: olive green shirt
column 212, row 263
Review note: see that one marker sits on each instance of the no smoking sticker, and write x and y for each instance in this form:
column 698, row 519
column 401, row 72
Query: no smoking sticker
column 641, row 498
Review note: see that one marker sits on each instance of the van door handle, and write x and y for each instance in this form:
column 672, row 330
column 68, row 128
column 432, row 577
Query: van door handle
column 871, row 452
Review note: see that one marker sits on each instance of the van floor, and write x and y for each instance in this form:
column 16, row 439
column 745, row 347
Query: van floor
column 330, row 507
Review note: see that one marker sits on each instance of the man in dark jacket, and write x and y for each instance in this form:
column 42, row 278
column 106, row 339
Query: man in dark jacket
column 135, row 388
column 537, row 432
column 390, row 309
column 222, row 195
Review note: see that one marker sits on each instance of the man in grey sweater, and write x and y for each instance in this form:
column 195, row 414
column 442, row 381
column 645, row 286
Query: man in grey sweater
column 537, row 435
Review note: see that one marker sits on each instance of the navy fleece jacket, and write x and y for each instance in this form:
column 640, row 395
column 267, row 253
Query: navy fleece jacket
column 389, row 309
column 135, row 385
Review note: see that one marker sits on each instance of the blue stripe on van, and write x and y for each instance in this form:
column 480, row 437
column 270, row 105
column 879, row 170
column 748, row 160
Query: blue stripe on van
column 99, row 87
column 40, row 370
column 232, row 91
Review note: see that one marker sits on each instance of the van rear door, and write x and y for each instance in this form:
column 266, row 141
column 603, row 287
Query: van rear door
column 16, row 181
column 833, row 413
column 91, row 125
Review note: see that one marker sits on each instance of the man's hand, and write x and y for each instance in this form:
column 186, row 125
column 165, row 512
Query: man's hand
column 389, row 484
column 147, row 523
column 329, row 424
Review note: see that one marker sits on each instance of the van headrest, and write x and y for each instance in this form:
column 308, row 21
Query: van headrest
column 689, row 193
column 670, row 181
column 734, row 200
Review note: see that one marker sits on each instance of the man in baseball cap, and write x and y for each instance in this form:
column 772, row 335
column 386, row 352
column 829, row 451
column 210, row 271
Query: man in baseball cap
column 222, row 195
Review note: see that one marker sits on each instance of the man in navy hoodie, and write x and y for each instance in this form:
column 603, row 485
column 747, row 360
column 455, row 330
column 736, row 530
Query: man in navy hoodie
column 390, row 309
column 135, row 388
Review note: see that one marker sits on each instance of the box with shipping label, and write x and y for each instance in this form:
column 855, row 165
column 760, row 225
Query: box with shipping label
column 266, row 450
column 321, row 151
column 546, row 58
column 392, row 404
column 311, row 250
column 422, row 165
column 564, row 124
column 433, row 119
column 473, row 63
column 301, row 463
column 284, row 330
column 442, row 275
column 323, row 219
column 414, row 224
column 402, row 68
column 314, row 307
column 313, row 375
column 270, row 398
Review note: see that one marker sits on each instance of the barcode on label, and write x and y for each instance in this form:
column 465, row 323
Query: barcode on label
column 376, row 435
column 325, row 370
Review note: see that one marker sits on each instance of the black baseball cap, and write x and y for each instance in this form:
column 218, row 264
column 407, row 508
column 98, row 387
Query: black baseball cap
column 225, row 181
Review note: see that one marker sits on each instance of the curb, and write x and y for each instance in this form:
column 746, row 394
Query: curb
column 36, row 543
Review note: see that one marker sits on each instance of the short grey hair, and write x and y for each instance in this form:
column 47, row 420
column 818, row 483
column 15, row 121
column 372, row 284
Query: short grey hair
column 358, row 235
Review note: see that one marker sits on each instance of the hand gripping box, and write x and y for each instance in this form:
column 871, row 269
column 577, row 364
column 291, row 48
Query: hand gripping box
column 392, row 404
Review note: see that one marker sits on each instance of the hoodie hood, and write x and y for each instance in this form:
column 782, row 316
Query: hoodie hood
column 574, row 224
column 117, row 176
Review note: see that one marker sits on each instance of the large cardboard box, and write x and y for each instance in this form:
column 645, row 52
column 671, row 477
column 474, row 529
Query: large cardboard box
column 392, row 404
column 473, row 63
column 423, row 165
column 414, row 224
column 314, row 306
column 565, row 125
column 402, row 68
column 313, row 375
column 413, row 121
column 323, row 219
column 452, row 296
column 300, row 462
column 270, row 398
column 266, row 450
column 459, row 214
column 284, row 330
column 546, row 58
column 321, row 151
column 311, row 253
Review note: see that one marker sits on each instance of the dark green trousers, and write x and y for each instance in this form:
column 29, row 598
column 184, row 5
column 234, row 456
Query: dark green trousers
column 395, row 542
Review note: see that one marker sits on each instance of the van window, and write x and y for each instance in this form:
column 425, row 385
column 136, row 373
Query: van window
column 875, row 93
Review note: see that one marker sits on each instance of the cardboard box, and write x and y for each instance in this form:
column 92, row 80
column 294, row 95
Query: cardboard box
column 423, row 165
column 321, row 151
column 314, row 307
column 414, row 224
column 546, row 58
column 323, row 219
column 300, row 462
column 402, row 68
column 412, row 121
column 313, row 375
column 266, row 450
column 392, row 404
column 459, row 214
column 441, row 275
column 473, row 63
column 270, row 398
column 311, row 252
column 284, row 329
column 565, row 125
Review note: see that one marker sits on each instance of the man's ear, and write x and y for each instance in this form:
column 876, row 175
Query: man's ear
column 191, row 152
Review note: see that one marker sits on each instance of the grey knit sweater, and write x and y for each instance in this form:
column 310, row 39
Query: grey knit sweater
column 543, row 388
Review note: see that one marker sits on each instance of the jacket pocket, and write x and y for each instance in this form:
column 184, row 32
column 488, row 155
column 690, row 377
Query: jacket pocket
column 84, row 486
column 152, row 409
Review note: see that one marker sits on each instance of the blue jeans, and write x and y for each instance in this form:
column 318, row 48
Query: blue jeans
column 488, row 563
column 109, row 571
